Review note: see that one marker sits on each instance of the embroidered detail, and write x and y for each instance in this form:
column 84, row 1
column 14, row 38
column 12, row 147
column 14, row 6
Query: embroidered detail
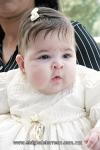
column 34, row 118
column 36, row 131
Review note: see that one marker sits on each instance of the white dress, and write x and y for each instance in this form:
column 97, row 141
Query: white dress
column 30, row 120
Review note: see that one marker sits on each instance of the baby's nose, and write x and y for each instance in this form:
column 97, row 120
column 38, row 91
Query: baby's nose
column 57, row 65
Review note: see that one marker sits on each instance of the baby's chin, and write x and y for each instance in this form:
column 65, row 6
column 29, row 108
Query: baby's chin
column 54, row 91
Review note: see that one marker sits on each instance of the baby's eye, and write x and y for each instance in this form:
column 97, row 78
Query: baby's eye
column 44, row 57
column 66, row 55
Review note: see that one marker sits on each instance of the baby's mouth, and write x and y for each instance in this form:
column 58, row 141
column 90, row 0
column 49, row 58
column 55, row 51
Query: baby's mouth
column 56, row 78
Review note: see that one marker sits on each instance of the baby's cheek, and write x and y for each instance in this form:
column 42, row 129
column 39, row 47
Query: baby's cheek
column 39, row 78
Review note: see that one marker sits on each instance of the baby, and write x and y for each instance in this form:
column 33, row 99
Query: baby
column 49, row 103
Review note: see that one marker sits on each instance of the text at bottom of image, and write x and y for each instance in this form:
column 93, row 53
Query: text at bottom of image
column 47, row 142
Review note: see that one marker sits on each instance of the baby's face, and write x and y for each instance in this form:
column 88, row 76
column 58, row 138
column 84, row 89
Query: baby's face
column 50, row 63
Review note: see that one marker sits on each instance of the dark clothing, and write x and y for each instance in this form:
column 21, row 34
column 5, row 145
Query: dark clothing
column 11, row 64
column 88, row 53
column 48, row 3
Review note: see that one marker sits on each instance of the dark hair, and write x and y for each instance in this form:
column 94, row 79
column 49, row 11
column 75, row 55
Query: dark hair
column 49, row 20
column 47, row 3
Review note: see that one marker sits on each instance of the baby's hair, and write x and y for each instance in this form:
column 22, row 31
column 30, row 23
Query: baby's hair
column 49, row 20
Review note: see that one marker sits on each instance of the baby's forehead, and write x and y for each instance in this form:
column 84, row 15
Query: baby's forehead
column 51, row 40
column 45, row 35
column 50, row 43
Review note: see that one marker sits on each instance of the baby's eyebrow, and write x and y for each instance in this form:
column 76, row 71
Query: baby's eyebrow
column 68, row 49
column 42, row 51
column 47, row 50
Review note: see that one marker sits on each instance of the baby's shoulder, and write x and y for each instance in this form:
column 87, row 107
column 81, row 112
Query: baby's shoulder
column 88, row 75
column 6, row 77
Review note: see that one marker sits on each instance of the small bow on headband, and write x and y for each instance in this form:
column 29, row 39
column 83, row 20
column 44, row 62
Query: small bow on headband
column 34, row 14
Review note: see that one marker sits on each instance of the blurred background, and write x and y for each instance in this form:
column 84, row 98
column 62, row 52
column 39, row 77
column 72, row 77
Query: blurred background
column 86, row 12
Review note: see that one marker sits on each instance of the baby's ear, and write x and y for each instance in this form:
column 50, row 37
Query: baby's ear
column 20, row 62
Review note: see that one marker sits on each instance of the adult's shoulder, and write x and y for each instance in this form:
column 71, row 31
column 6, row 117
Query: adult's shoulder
column 87, row 50
column 75, row 23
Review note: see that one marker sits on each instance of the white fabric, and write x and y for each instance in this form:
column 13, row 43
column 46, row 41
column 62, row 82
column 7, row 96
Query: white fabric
column 27, row 115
